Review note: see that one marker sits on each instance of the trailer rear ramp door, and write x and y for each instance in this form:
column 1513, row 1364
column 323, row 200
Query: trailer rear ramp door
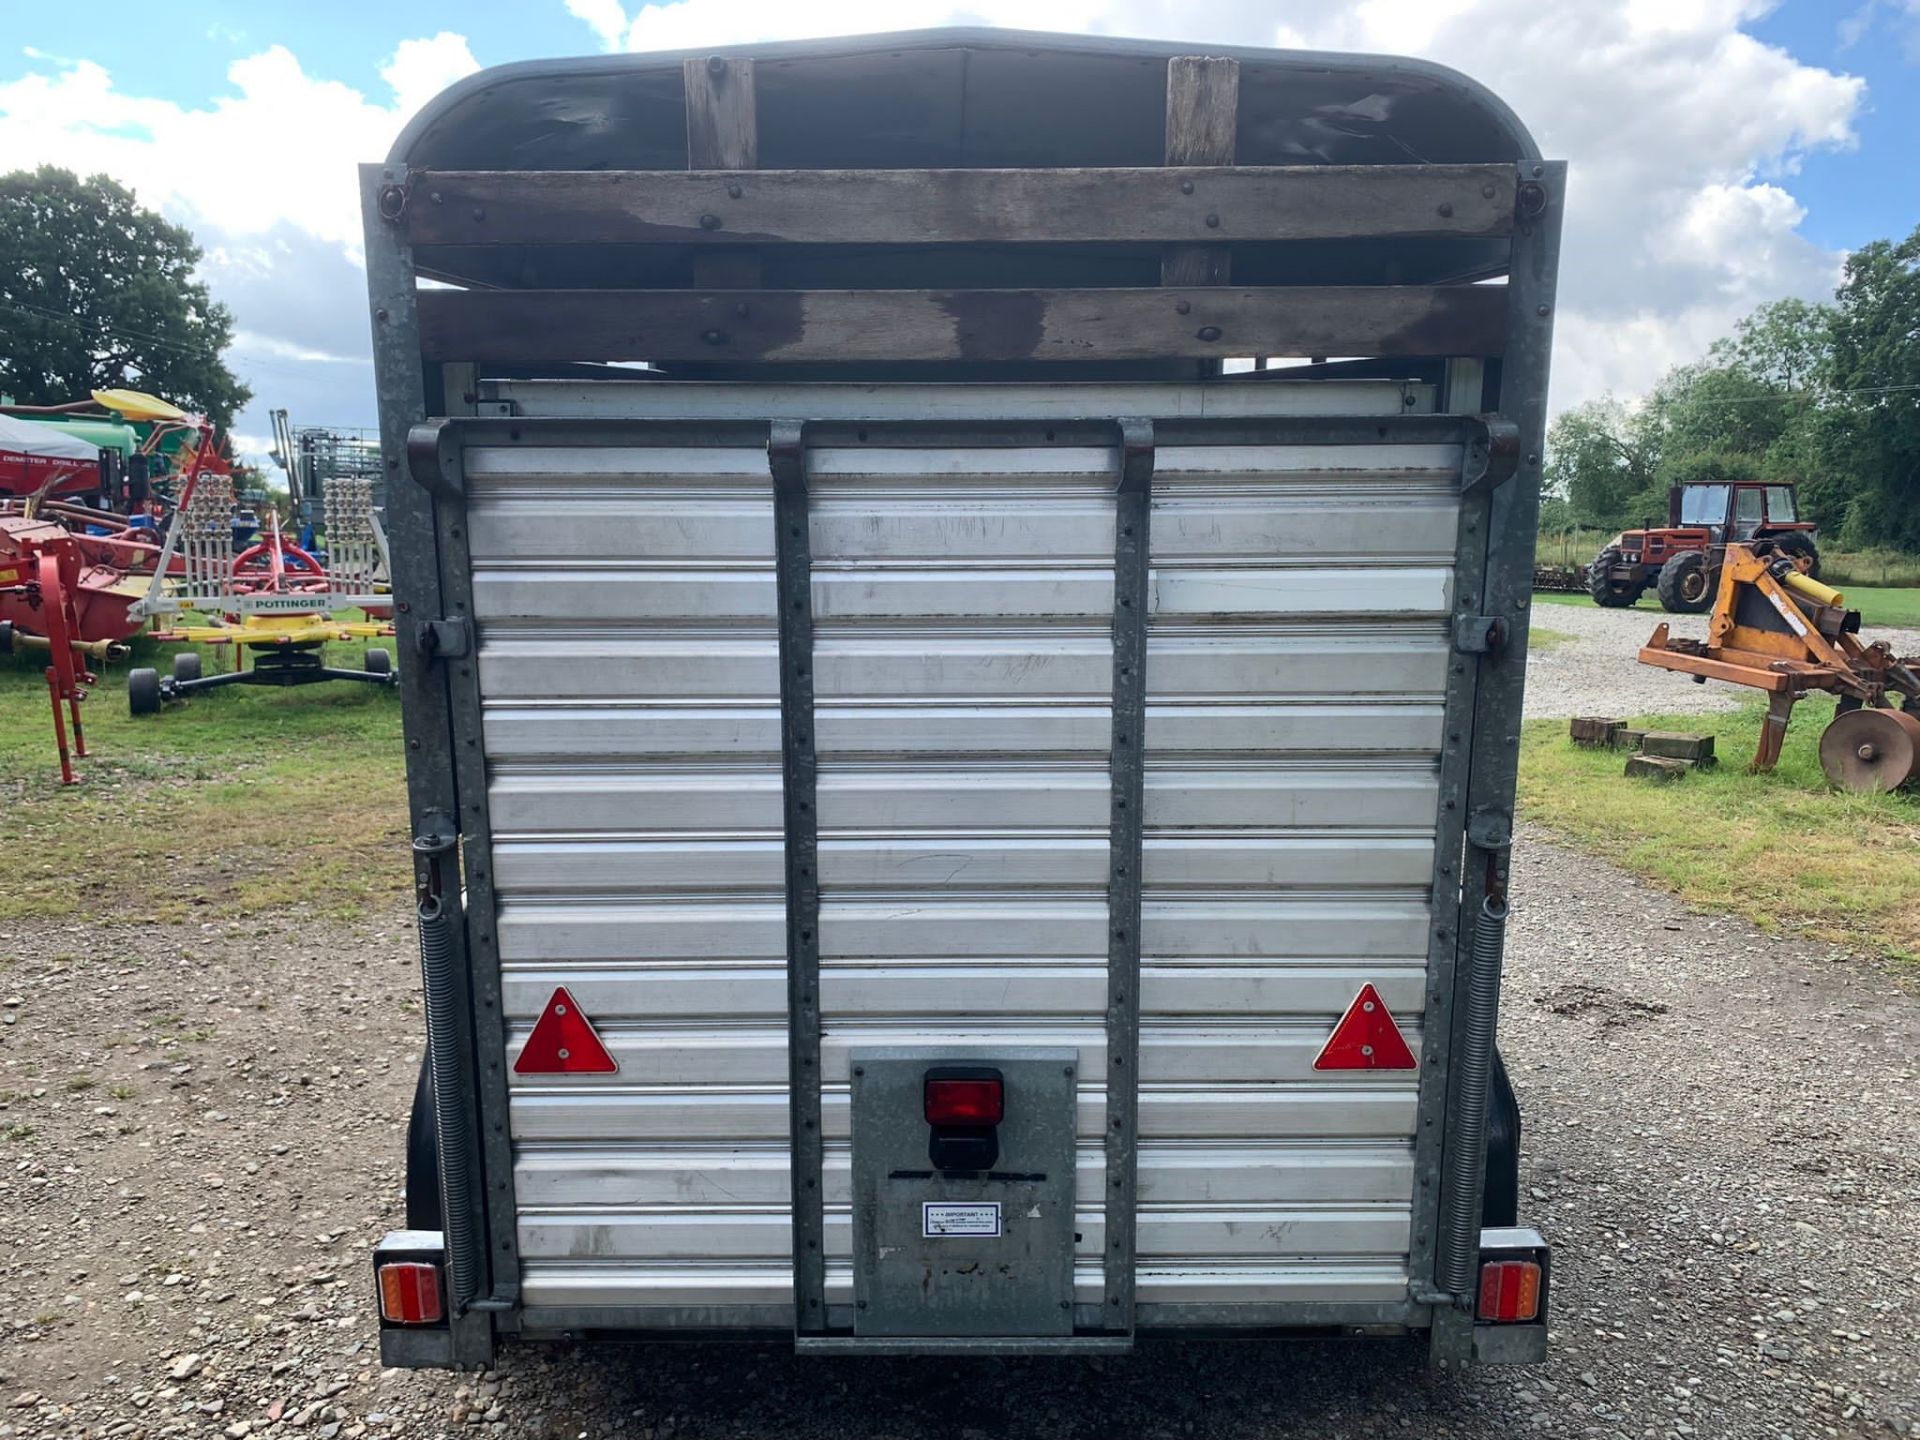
column 963, row 760
column 948, row 818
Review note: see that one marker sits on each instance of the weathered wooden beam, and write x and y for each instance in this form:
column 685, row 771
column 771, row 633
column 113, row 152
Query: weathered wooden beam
column 723, row 126
column 981, row 325
column 1203, row 127
column 1198, row 204
column 723, row 133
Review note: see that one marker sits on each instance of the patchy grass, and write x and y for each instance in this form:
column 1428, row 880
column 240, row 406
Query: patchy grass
column 1542, row 641
column 231, row 803
column 1782, row 850
column 1877, row 605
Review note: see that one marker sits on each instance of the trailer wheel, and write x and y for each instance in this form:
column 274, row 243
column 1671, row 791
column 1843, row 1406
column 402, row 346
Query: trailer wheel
column 1686, row 585
column 423, row 1158
column 143, row 692
column 1606, row 591
column 186, row 666
column 378, row 662
column 6, row 637
column 1800, row 546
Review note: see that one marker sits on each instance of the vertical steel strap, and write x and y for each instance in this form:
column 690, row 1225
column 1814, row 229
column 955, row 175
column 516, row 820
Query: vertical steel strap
column 1133, row 508
column 799, row 769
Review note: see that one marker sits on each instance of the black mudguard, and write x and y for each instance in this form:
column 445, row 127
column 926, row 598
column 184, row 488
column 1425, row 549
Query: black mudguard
column 1501, row 1203
column 424, row 1209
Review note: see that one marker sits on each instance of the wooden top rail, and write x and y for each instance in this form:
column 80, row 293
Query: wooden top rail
column 841, row 326
column 1211, row 205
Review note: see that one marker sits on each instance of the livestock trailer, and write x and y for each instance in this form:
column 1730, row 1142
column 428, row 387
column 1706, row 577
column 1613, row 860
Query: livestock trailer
column 964, row 599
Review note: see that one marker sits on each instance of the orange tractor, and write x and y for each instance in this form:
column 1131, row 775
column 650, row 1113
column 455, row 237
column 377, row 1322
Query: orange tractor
column 1778, row 630
column 1682, row 561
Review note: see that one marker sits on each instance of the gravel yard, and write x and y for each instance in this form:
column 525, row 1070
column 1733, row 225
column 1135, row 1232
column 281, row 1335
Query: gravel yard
column 202, row 1134
column 1597, row 672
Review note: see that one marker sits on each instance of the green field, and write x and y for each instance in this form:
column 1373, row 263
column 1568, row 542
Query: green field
column 1877, row 605
column 235, row 802
column 1782, row 850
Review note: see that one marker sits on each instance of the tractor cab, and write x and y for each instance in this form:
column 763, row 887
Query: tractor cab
column 1739, row 511
column 1682, row 561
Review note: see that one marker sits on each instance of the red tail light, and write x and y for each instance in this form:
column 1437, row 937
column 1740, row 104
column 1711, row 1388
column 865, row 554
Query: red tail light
column 964, row 1102
column 410, row 1293
column 1509, row 1290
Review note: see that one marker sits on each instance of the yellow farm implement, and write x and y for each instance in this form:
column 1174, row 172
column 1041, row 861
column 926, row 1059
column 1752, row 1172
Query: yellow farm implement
column 1777, row 630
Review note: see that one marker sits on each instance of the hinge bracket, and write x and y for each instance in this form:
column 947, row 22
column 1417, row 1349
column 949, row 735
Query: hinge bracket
column 433, row 459
column 1479, row 634
column 1492, row 455
column 444, row 639
column 1136, row 456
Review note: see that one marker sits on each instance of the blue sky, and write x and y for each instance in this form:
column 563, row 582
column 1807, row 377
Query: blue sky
column 1872, row 192
column 1723, row 152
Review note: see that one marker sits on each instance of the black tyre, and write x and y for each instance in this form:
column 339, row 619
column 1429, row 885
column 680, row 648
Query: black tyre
column 1686, row 584
column 378, row 662
column 186, row 665
column 1800, row 546
column 6, row 637
column 143, row 692
column 1613, row 594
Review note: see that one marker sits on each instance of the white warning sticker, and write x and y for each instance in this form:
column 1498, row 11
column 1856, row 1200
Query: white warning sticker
column 938, row 1219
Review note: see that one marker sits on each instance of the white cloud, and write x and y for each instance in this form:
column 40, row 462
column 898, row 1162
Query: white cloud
column 265, row 177
column 1683, row 131
column 421, row 69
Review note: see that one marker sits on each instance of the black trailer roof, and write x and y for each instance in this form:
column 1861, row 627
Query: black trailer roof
column 966, row 99
column 962, row 98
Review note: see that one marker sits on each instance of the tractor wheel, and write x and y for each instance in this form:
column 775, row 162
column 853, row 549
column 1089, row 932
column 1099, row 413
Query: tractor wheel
column 1799, row 545
column 378, row 662
column 143, row 692
column 6, row 637
column 1686, row 585
column 186, row 666
column 1613, row 594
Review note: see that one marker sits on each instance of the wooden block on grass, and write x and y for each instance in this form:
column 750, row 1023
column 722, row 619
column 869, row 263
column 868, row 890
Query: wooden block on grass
column 1678, row 745
column 1594, row 730
column 1628, row 738
column 1657, row 767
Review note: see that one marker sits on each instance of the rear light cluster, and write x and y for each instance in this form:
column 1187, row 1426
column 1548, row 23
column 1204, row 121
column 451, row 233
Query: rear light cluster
column 965, row 1102
column 964, row 1106
column 410, row 1293
column 1509, row 1291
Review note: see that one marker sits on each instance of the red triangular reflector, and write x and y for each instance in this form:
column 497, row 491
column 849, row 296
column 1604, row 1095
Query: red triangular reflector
column 563, row 1043
column 1366, row 1038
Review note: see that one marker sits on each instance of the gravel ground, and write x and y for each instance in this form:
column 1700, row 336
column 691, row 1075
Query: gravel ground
column 201, row 1137
column 1598, row 671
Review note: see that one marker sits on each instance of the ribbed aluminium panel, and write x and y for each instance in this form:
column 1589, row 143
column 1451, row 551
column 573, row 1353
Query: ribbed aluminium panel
column 1296, row 659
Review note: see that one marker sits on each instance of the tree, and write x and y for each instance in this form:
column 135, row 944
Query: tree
column 1599, row 457
column 1871, row 422
column 1785, row 344
column 1704, row 408
column 97, row 292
